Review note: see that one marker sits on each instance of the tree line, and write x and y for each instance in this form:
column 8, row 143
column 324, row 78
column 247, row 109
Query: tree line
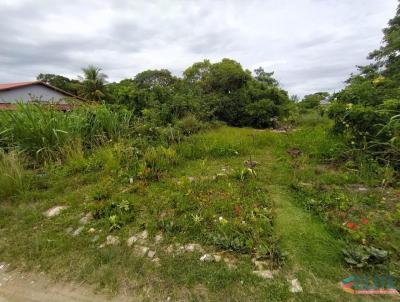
column 211, row 91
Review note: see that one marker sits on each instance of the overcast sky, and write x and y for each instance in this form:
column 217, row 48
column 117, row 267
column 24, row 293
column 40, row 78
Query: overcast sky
column 312, row 45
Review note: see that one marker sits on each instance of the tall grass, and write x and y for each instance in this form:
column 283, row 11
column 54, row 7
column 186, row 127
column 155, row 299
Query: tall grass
column 13, row 177
column 44, row 133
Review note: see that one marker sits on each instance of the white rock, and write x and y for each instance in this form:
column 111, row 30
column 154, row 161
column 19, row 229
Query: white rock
column 54, row 211
column 77, row 231
column 206, row 258
column 158, row 238
column 91, row 230
column 260, row 265
column 151, row 254
column 85, row 219
column 191, row 178
column 191, row 247
column 112, row 240
column 144, row 235
column 140, row 250
column 265, row 274
column 143, row 250
column 131, row 240
column 295, row 286
column 230, row 263
column 170, row 249
column 217, row 258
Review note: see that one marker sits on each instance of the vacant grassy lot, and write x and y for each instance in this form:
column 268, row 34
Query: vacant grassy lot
column 203, row 215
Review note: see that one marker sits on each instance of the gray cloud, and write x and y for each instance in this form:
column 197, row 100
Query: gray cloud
column 311, row 45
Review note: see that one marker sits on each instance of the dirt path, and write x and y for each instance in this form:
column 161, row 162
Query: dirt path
column 22, row 287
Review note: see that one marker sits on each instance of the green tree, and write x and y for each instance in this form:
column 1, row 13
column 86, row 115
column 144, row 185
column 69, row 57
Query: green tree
column 93, row 83
column 197, row 71
column 226, row 77
column 150, row 79
column 61, row 82
column 366, row 111
column 265, row 77
column 311, row 101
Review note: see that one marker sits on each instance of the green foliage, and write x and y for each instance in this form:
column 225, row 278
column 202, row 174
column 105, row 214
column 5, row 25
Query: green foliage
column 221, row 91
column 114, row 214
column 157, row 160
column 365, row 256
column 366, row 111
column 312, row 101
column 265, row 77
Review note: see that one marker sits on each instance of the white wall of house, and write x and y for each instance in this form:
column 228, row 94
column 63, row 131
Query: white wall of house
column 32, row 92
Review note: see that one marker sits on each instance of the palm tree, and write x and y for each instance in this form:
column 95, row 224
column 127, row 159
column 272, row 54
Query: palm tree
column 93, row 81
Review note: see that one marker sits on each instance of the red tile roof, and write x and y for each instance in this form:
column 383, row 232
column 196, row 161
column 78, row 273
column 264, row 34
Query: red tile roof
column 9, row 86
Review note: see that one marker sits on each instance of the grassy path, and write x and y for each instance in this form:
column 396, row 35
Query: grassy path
column 312, row 253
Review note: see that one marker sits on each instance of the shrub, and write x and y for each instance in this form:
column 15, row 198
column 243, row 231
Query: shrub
column 189, row 125
column 159, row 159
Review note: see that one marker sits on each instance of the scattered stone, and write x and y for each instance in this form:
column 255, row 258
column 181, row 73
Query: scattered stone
column 144, row 235
column 191, row 178
column 3, row 265
column 54, row 211
column 206, row 258
column 95, row 238
column 295, row 286
column 230, row 262
column 143, row 250
column 158, row 238
column 77, row 231
column 151, row 254
column 131, row 240
column 191, row 247
column 131, row 180
column 265, row 274
column 170, row 249
column 260, row 265
column 217, row 258
column 91, row 230
column 85, row 219
column 112, row 240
